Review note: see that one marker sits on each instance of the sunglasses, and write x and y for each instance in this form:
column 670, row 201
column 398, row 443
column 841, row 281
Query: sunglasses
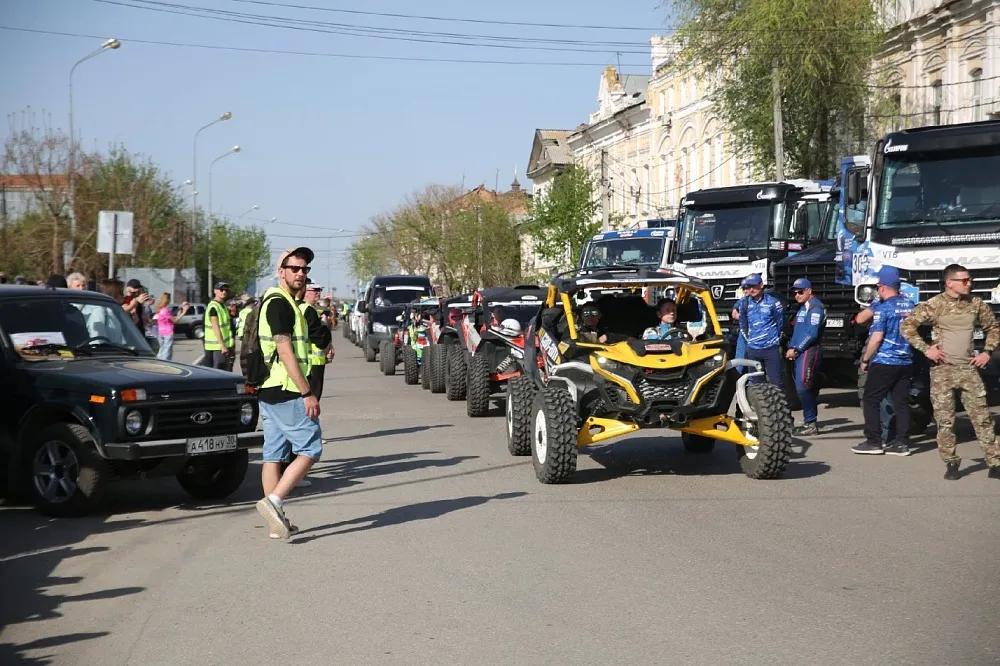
column 298, row 269
column 590, row 313
column 799, row 292
column 965, row 280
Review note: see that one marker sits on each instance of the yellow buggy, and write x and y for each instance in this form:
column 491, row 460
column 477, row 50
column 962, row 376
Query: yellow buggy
column 593, row 386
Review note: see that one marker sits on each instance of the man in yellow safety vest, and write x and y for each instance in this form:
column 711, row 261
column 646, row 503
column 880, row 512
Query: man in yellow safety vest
column 320, row 338
column 218, row 327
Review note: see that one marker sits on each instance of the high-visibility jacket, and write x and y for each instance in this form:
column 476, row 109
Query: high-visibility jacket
column 300, row 344
column 242, row 316
column 317, row 356
column 225, row 327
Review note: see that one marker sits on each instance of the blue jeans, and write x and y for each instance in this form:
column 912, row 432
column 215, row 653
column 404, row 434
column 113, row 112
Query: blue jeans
column 770, row 358
column 806, row 369
column 166, row 350
column 741, row 350
column 289, row 432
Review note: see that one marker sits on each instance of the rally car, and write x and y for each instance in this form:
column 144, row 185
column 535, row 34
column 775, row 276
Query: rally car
column 414, row 336
column 444, row 336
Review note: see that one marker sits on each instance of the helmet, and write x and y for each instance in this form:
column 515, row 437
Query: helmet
column 510, row 327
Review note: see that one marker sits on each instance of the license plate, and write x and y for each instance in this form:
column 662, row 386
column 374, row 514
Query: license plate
column 722, row 317
column 835, row 323
column 202, row 445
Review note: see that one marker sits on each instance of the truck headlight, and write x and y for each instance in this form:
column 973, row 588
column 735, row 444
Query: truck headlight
column 246, row 413
column 133, row 422
column 865, row 293
column 380, row 328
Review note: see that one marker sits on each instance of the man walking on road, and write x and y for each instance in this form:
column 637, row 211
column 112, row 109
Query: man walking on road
column 219, row 343
column 289, row 409
column 888, row 360
column 804, row 349
column 954, row 317
column 761, row 318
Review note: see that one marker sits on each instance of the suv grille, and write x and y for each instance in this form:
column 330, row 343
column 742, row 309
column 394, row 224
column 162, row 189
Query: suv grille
column 669, row 391
column 931, row 283
column 823, row 276
column 171, row 421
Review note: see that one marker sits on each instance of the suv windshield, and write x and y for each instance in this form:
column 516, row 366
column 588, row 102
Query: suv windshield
column 398, row 295
column 44, row 327
column 947, row 187
column 744, row 226
column 644, row 251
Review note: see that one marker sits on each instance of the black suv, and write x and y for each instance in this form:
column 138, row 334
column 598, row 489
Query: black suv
column 84, row 401
column 383, row 304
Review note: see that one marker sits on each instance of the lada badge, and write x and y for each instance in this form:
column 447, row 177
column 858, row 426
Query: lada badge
column 202, row 418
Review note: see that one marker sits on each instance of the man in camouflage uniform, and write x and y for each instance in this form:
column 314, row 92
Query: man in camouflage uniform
column 954, row 316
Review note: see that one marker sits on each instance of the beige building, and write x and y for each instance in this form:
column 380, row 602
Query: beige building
column 944, row 60
column 550, row 154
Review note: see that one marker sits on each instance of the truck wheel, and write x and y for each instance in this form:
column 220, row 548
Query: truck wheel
column 425, row 369
column 370, row 352
column 411, row 367
column 477, row 396
column 455, row 378
column 214, row 477
column 439, row 367
column 773, row 430
column 553, row 435
column 520, row 395
column 387, row 356
column 67, row 477
column 697, row 443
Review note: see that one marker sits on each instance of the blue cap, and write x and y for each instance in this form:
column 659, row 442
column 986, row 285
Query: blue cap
column 889, row 276
column 802, row 283
column 753, row 280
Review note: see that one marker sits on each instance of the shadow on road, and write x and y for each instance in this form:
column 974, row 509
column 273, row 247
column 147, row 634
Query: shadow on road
column 387, row 433
column 399, row 515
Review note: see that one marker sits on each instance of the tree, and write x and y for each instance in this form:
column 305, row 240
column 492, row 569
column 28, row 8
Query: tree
column 369, row 256
column 820, row 50
column 564, row 218
column 239, row 255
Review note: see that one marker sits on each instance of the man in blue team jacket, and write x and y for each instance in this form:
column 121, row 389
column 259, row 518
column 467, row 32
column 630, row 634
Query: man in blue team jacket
column 761, row 320
column 804, row 349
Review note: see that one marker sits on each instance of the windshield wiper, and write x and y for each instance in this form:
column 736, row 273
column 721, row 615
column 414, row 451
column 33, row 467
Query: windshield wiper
column 89, row 348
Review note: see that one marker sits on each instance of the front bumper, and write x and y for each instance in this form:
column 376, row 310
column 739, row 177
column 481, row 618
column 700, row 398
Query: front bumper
column 172, row 447
column 712, row 399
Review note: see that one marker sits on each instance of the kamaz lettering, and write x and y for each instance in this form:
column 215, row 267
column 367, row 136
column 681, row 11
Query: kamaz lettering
column 934, row 262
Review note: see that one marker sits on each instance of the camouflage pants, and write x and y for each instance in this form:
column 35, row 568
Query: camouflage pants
column 945, row 380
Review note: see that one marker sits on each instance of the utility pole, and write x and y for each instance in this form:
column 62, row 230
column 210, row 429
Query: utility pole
column 605, row 196
column 779, row 144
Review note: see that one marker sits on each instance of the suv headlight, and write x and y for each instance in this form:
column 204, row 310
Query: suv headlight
column 133, row 422
column 865, row 293
column 380, row 328
column 246, row 413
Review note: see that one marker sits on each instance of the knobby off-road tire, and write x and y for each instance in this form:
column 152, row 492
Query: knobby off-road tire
column 425, row 369
column 411, row 366
column 78, row 478
column 774, row 433
column 697, row 443
column 370, row 352
column 553, row 435
column 438, row 368
column 520, row 396
column 387, row 356
column 345, row 329
column 214, row 477
column 458, row 369
column 477, row 392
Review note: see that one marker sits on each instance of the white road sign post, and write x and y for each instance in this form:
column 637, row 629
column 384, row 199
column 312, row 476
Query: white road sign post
column 114, row 235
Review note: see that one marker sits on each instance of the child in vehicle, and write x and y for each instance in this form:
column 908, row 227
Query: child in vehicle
column 666, row 310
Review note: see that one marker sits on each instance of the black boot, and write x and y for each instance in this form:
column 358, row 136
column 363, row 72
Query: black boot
column 994, row 472
column 951, row 473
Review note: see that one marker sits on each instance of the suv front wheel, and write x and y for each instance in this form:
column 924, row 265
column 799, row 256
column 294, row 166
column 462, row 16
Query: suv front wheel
column 67, row 476
column 215, row 476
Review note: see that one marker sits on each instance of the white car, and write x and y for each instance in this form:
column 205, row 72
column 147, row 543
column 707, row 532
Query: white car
column 356, row 323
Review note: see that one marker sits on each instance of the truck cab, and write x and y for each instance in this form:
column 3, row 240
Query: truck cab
column 652, row 247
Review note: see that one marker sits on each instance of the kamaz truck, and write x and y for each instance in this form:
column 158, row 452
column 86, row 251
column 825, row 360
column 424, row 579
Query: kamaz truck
column 726, row 233
column 653, row 247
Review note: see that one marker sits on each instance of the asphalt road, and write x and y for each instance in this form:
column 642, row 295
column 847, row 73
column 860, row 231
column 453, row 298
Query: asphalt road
column 424, row 542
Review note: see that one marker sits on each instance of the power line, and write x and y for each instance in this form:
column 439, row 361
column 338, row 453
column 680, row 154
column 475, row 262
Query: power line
column 907, row 87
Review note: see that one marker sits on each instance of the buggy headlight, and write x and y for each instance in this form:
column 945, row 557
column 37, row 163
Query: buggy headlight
column 609, row 364
column 716, row 361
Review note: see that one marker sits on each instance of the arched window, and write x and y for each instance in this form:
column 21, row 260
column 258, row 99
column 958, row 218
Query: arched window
column 937, row 101
column 977, row 94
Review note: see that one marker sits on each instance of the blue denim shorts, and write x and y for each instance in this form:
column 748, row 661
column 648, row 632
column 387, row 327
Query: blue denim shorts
column 288, row 432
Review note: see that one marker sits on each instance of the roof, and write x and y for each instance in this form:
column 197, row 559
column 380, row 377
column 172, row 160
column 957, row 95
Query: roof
column 943, row 137
column 528, row 294
column 636, row 83
column 33, row 182
column 573, row 281
column 515, row 202
column 549, row 148
column 750, row 193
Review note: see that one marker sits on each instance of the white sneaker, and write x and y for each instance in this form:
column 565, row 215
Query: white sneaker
column 304, row 483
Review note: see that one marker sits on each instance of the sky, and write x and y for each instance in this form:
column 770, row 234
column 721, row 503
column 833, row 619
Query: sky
column 326, row 141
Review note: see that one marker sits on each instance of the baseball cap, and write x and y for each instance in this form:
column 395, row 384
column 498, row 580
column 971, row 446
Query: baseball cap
column 312, row 286
column 135, row 284
column 802, row 283
column 889, row 276
column 753, row 280
column 221, row 285
column 305, row 252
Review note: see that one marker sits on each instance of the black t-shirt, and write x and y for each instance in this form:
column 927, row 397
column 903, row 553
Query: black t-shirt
column 319, row 333
column 281, row 319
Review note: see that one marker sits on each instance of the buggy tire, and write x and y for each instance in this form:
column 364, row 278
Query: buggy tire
column 477, row 395
column 387, row 358
column 370, row 352
column 520, row 396
column 214, row 477
column 769, row 459
column 455, row 378
column 411, row 366
column 553, row 435
column 697, row 443
column 425, row 369
column 438, row 367
column 69, row 452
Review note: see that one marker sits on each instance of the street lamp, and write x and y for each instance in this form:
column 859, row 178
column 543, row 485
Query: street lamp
column 211, row 222
column 194, row 179
column 252, row 209
column 109, row 45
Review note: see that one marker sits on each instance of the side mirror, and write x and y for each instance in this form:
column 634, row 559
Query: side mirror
column 399, row 318
column 853, row 188
column 800, row 227
column 362, row 307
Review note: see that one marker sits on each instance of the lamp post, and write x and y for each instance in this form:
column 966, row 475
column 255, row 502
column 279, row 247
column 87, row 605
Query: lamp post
column 242, row 215
column 194, row 178
column 109, row 45
column 211, row 222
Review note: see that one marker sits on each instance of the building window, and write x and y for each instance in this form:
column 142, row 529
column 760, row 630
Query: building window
column 663, row 102
column 977, row 95
column 937, row 95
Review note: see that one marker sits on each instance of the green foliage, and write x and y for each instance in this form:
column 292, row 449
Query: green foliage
column 240, row 255
column 823, row 50
column 563, row 220
column 369, row 256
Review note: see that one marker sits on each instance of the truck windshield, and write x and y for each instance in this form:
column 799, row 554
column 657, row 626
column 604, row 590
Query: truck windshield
column 946, row 187
column 643, row 251
column 734, row 226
